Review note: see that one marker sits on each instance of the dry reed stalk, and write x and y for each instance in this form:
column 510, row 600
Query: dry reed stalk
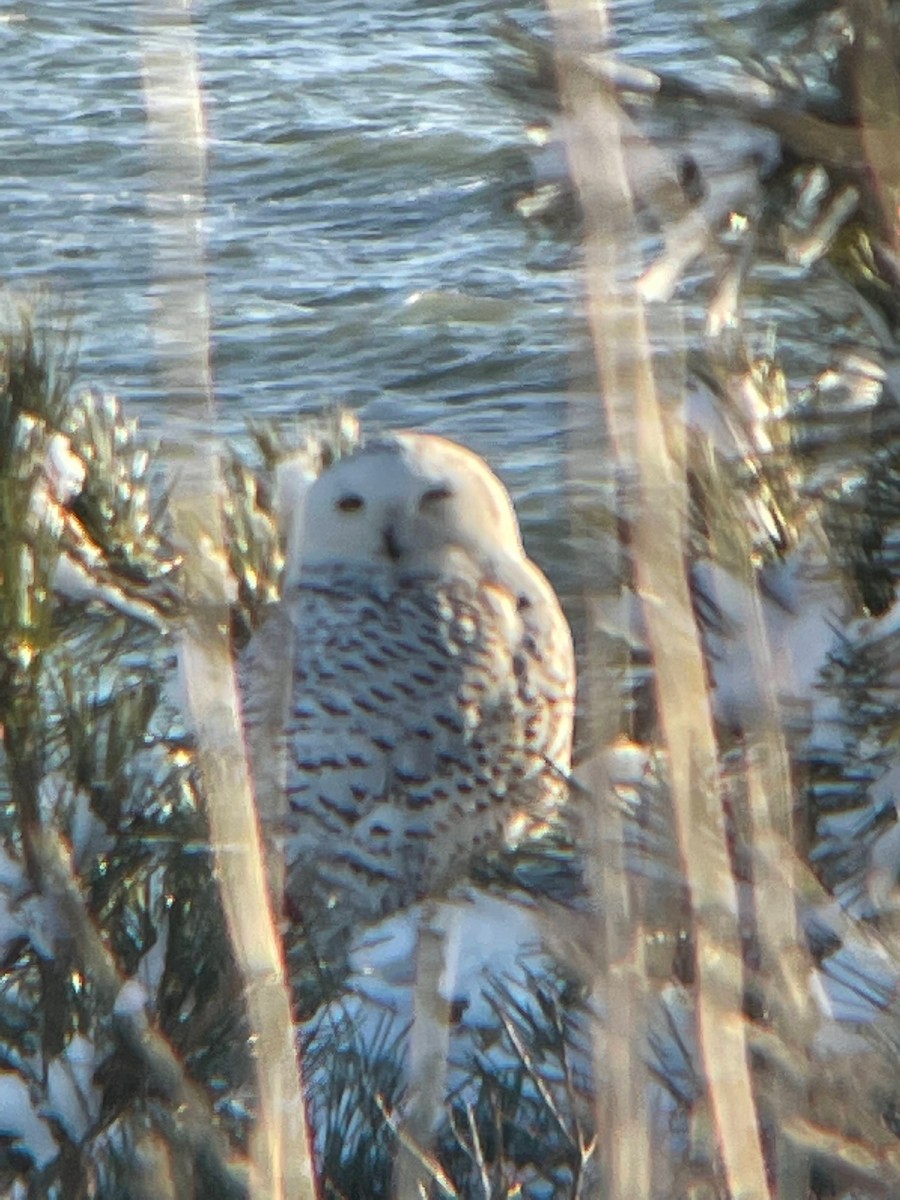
column 784, row 960
column 280, row 1155
column 620, row 990
column 429, row 1048
column 649, row 443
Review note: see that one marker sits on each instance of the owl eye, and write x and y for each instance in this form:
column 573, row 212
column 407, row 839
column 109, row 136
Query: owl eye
column 350, row 504
column 435, row 495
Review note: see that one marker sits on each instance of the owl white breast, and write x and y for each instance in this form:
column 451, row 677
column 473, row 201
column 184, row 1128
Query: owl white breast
column 412, row 696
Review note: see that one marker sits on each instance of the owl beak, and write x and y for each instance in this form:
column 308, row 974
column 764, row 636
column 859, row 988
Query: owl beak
column 390, row 544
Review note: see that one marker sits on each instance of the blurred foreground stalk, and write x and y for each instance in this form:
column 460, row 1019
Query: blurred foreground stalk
column 649, row 444
column 280, row 1155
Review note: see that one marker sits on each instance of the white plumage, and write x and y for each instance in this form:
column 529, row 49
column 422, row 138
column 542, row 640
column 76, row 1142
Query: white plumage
column 411, row 697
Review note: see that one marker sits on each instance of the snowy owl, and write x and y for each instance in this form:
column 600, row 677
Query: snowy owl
column 411, row 697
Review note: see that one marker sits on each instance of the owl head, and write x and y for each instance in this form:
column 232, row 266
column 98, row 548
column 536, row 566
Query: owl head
column 412, row 503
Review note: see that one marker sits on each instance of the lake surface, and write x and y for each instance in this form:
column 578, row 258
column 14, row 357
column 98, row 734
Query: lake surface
column 363, row 243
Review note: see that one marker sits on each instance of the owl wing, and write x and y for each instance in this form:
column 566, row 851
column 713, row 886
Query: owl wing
column 265, row 681
column 544, row 664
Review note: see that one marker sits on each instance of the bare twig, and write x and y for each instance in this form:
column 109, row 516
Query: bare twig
column 429, row 1165
column 478, row 1152
column 878, row 91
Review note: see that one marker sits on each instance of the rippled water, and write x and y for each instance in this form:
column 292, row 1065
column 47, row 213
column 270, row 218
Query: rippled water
column 355, row 159
column 363, row 244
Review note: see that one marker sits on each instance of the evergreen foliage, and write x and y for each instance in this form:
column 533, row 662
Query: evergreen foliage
column 125, row 1055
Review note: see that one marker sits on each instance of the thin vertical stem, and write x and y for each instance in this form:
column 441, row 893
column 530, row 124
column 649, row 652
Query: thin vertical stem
column 428, row 1056
column 649, row 446
column 280, row 1155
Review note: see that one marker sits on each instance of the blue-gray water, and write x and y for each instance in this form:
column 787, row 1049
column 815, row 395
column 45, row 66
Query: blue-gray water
column 360, row 155
column 355, row 158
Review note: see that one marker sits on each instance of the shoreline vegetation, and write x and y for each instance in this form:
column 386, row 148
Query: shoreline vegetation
column 692, row 988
